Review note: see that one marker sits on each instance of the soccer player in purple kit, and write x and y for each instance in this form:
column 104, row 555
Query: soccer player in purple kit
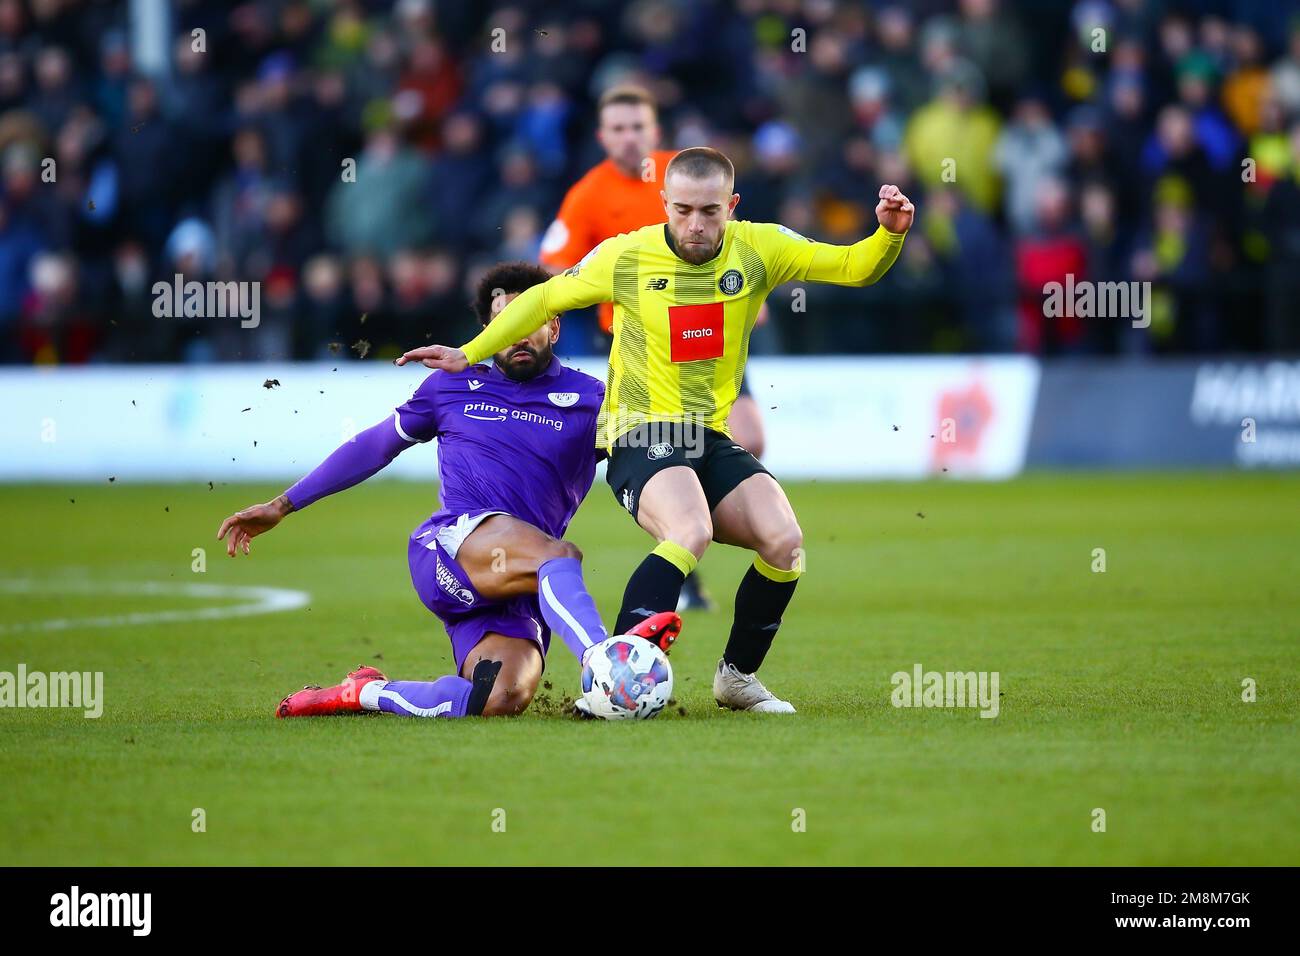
column 516, row 456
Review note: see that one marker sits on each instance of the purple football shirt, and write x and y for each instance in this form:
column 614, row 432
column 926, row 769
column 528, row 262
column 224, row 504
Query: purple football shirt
column 526, row 448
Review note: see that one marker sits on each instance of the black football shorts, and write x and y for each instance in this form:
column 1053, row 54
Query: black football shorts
column 640, row 454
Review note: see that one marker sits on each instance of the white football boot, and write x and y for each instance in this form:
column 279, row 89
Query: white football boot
column 740, row 691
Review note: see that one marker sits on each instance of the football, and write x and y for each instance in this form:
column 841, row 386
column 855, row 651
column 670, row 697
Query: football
column 626, row 677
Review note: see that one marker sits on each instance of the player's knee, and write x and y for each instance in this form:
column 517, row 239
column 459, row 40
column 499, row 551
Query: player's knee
column 509, row 699
column 558, row 548
column 784, row 547
column 553, row 548
column 693, row 534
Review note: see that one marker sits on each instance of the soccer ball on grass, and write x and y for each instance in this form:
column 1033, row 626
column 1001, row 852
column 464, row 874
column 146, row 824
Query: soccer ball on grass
column 626, row 677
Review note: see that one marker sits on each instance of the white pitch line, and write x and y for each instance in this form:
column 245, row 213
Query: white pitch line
column 261, row 600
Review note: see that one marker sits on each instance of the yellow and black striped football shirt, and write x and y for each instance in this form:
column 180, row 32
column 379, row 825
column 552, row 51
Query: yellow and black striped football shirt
column 681, row 331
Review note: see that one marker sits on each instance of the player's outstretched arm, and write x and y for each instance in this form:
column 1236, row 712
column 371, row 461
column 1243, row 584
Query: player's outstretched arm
column 865, row 261
column 590, row 282
column 350, row 464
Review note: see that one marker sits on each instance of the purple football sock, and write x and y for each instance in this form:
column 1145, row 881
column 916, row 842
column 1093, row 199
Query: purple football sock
column 444, row 697
column 568, row 608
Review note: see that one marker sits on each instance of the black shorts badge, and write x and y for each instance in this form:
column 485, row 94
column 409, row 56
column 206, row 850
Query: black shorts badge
column 731, row 282
column 659, row 451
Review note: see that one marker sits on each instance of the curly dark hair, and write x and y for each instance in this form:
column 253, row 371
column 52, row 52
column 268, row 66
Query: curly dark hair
column 505, row 278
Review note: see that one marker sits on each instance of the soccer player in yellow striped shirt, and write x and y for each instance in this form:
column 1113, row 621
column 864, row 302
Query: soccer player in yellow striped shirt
column 686, row 294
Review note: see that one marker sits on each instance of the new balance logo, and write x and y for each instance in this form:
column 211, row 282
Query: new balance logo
column 475, row 385
column 657, row 285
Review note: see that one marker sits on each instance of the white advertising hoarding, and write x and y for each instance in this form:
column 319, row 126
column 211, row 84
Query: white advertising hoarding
column 834, row 418
column 895, row 417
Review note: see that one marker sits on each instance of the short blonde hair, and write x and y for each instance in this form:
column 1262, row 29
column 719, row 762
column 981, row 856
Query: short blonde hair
column 701, row 162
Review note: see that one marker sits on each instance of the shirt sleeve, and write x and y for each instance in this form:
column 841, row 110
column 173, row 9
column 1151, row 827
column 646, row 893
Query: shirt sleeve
column 589, row 282
column 601, row 453
column 416, row 419
column 351, row 463
column 792, row 257
column 570, row 236
column 372, row 450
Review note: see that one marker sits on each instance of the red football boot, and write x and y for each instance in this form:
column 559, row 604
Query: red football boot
column 344, row 698
column 661, row 629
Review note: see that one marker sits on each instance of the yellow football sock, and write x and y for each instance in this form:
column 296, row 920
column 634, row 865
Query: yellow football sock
column 778, row 574
column 677, row 556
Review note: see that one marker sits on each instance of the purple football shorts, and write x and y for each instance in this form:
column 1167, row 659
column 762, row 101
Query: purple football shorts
column 445, row 589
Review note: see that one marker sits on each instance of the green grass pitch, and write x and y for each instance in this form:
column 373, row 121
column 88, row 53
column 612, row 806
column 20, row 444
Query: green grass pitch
column 1121, row 690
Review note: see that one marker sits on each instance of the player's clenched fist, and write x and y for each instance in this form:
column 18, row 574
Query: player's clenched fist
column 437, row 356
column 894, row 211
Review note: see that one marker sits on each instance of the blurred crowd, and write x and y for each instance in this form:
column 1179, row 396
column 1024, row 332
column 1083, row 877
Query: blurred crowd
column 1114, row 140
